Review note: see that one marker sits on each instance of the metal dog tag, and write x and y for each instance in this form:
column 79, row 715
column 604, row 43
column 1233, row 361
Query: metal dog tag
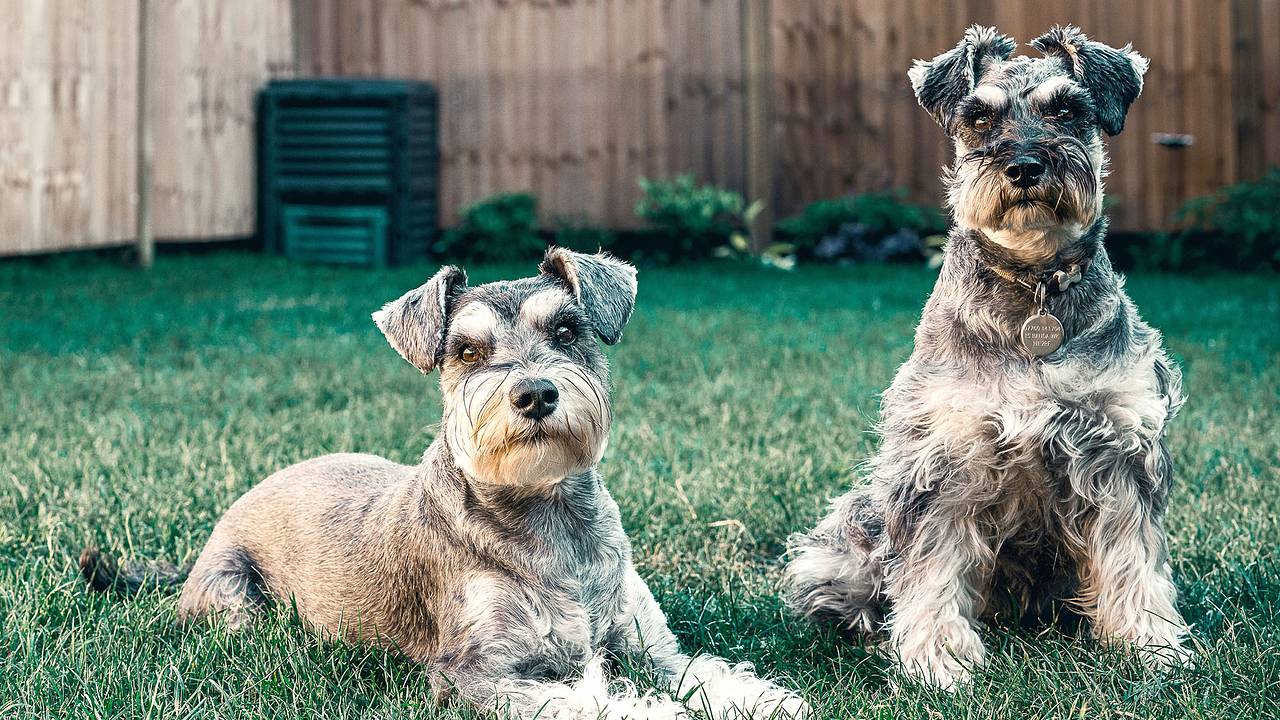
column 1041, row 334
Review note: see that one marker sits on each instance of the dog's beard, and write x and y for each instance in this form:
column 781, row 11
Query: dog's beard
column 496, row 445
column 1037, row 222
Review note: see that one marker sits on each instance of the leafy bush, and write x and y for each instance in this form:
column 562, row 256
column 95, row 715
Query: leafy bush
column 689, row 221
column 499, row 228
column 870, row 226
column 1237, row 227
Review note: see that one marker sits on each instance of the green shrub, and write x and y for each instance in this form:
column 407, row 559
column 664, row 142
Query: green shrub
column 1237, row 227
column 499, row 228
column 869, row 226
column 689, row 220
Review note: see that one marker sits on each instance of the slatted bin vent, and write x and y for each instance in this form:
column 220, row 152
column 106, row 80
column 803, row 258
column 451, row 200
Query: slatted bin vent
column 348, row 170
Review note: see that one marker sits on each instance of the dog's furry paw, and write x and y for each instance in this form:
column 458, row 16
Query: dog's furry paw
column 724, row 691
column 945, row 661
column 592, row 697
column 1164, row 653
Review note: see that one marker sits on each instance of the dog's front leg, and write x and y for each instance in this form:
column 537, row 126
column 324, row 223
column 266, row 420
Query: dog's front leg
column 706, row 683
column 936, row 588
column 1113, row 526
column 1126, row 584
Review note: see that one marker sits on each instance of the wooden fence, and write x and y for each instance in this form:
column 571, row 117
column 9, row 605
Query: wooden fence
column 574, row 99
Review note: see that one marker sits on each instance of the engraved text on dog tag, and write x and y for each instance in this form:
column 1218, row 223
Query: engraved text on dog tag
column 1041, row 334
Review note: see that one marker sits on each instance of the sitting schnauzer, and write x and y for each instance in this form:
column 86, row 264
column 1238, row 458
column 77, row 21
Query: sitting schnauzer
column 1023, row 451
column 500, row 560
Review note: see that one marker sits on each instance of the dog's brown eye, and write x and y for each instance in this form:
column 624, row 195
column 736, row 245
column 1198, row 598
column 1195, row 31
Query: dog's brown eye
column 982, row 123
column 469, row 355
column 565, row 335
column 1063, row 114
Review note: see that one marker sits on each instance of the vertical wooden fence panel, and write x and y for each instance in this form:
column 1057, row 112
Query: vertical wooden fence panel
column 66, row 124
column 68, row 81
column 211, row 58
column 1267, row 90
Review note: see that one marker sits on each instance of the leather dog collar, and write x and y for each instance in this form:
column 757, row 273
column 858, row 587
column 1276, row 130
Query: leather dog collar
column 1054, row 280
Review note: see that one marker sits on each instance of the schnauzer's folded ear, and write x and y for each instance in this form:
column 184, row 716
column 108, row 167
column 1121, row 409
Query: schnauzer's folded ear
column 416, row 323
column 1113, row 77
column 941, row 83
column 604, row 286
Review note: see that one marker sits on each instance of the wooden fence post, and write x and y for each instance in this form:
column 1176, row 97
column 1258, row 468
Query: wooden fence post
column 758, row 71
column 1247, row 87
column 146, row 147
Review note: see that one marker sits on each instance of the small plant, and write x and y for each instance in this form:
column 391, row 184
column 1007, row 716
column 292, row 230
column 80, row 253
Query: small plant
column 690, row 220
column 775, row 255
column 499, row 228
column 1237, row 227
column 870, row 226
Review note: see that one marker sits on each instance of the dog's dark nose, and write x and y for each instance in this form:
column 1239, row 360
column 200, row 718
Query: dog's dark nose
column 535, row 399
column 1024, row 172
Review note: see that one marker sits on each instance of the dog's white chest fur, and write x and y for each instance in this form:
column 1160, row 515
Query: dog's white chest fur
column 995, row 429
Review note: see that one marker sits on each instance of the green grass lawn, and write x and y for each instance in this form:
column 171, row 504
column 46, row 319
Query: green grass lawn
column 136, row 407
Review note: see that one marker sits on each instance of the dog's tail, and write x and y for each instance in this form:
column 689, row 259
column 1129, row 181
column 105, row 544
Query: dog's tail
column 104, row 574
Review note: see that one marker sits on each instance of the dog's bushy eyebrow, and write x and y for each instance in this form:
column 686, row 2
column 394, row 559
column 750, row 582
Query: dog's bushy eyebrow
column 476, row 317
column 567, row 315
column 974, row 105
column 544, row 306
column 457, row 339
column 1065, row 94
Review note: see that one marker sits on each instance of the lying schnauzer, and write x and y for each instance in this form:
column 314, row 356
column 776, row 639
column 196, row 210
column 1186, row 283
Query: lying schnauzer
column 1023, row 453
column 500, row 560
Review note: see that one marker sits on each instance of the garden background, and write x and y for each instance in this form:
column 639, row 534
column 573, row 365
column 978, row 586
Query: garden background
column 137, row 405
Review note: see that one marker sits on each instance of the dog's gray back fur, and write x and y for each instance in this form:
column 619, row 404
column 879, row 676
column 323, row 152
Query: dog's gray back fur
column 1001, row 475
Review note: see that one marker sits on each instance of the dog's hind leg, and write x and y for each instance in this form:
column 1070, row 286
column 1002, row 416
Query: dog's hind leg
column 833, row 573
column 224, row 582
